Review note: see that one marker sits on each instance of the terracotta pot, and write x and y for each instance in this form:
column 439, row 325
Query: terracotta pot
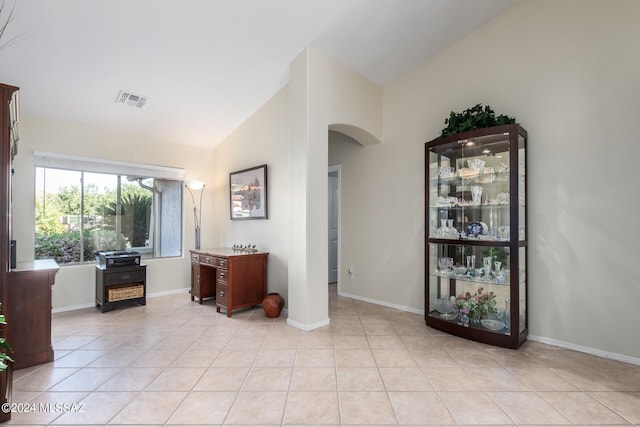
column 272, row 304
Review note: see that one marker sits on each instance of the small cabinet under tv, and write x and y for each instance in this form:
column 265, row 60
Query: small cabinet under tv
column 120, row 286
column 476, row 235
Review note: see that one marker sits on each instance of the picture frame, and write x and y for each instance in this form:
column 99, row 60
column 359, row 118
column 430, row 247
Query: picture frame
column 248, row 193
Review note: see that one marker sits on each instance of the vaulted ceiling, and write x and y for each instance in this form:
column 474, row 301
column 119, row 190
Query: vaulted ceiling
column 207, row 65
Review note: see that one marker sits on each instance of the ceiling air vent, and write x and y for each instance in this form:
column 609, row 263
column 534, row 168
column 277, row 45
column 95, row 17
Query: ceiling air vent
column 128, row 98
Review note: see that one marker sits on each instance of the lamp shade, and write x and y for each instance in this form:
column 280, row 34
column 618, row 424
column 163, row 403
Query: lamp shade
column 194, row 184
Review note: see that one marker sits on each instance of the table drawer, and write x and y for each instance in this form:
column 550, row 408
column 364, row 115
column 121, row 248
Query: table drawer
column 209, row 260
column 117, row 278
column 222, row 291
column 212, row 260
column 222, row 274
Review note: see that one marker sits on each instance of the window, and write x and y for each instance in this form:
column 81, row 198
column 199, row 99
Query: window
column 85, row 206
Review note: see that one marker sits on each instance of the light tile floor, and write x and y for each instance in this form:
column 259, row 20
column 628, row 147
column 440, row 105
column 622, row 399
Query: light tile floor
column 176, row 362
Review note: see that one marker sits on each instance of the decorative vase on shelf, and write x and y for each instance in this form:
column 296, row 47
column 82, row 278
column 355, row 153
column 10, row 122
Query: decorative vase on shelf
column 464, row 319
column 272, row 305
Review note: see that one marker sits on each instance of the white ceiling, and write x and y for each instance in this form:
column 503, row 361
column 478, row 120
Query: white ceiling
column 207, row 65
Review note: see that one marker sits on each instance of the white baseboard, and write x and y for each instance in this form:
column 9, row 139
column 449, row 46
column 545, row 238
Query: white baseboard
column 89, row 305
column 382, row 303
column 307, row 327
column 171, row 292
column 589, row 350
column 71, row 308
column 557, row 343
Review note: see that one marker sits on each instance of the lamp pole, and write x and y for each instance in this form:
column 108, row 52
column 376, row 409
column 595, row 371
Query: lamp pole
column 197, row 208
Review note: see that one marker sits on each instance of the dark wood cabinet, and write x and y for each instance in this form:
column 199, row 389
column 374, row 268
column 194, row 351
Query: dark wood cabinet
column 236, row 279
column 8, row 109
column 28, row 312
column 476, row 235
column 120, row 286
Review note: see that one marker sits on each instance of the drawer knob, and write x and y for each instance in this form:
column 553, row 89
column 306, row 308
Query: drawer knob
column 221, row 293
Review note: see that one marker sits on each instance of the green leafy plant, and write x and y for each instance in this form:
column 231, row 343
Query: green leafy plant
column 472, row 118
column 5, row 347
column 65, row 247
column 497, row 254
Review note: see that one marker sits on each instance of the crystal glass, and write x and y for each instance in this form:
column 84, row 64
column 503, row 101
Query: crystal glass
column 506, row 314
column 476, row 194
column 471, row 263
column 452, row 232
column 487, row 266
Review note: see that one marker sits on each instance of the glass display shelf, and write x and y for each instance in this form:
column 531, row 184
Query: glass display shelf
column 476, row 234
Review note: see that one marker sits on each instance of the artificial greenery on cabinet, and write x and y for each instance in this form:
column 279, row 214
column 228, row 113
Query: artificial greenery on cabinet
column 477, row 117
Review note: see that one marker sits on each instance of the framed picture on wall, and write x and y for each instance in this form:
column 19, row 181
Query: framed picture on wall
column 248, row 193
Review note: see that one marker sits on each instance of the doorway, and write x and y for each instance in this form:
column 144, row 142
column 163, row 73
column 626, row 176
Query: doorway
column 334, row 224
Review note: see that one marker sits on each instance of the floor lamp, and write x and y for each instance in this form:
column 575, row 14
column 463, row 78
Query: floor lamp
column 195, row 185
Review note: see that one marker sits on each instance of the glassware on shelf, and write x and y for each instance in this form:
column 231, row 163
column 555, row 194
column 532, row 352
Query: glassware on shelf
column 447, row 230
column 506, row 314
column 444, row 305
column 486, row 261
column 445, row 264
column 452, row 232
column 504, row 232
column 476, row 164
column 471, row 264
column 476, row 194
column 446, row 172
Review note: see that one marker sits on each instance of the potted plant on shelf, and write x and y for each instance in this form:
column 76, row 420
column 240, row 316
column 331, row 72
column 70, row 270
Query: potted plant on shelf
column 472, row 118
column 476, row 307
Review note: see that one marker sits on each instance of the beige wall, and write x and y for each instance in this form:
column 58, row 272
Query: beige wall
column 322, row 93
column 263, row 138
column 290, row 134
column 569, row 72
column 75, row 285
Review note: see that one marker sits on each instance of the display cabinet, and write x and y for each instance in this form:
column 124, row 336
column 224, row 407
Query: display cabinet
column 476, row 235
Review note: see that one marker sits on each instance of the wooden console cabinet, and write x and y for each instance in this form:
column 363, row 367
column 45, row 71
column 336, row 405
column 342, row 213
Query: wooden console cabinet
column 8, row 109
column 28, row 312
column 120, row 285
column 234, row 278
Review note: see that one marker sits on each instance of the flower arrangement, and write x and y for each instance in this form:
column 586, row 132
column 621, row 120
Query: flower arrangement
column 476, row 306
